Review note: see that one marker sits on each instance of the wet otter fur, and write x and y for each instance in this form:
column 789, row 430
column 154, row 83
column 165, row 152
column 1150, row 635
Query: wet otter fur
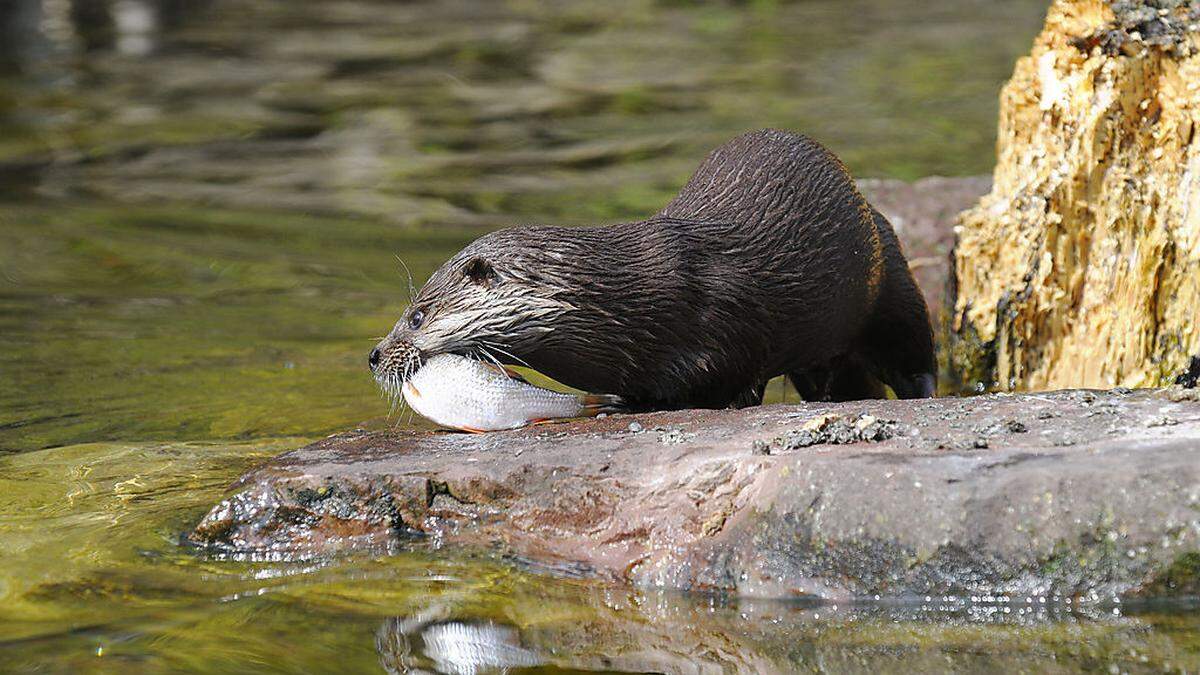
column 768, row 262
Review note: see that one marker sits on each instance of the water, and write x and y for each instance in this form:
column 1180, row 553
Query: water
column 200, row 208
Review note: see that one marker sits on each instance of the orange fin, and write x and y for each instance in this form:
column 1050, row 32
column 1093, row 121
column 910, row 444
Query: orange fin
column 594, row 404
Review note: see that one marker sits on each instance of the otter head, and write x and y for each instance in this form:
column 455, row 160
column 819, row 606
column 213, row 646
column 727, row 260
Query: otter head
column 491, row 299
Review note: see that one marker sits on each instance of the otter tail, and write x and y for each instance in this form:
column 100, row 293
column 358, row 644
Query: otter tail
column 595, row 404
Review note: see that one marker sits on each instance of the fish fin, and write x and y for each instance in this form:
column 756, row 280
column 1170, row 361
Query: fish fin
column 471, row 430
column 594, row 404
column 415, row 392
column 509, row 372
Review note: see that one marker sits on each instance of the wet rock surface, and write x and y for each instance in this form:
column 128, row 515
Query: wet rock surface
column 1076, row 494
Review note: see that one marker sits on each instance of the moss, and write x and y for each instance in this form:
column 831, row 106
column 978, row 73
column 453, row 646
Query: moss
column 1181, row 578
column 970, row 362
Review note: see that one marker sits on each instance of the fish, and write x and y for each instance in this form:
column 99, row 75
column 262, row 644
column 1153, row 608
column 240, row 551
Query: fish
column 469, row 395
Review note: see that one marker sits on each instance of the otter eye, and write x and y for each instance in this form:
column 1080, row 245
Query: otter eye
column 416, row 319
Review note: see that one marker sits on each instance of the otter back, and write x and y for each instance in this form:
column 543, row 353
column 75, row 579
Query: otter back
column 768, row 262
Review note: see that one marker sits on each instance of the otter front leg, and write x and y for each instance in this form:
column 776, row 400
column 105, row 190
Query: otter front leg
column 849, row 379
column 811, row 384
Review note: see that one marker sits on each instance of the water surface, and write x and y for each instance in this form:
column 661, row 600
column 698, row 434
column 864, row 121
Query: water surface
column 201, row 207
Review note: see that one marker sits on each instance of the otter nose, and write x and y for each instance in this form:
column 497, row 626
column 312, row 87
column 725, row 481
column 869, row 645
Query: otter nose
column 373, row 359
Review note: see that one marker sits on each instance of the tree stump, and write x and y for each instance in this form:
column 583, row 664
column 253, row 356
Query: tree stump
column 1082, row 267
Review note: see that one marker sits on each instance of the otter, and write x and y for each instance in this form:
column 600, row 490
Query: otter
column 768, row 262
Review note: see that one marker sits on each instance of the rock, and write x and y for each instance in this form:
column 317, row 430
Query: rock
column 1076, row 505
column 923, row 213
column 1082, row 267
column 1191, row 376
column 673, row 436
column 836, row 430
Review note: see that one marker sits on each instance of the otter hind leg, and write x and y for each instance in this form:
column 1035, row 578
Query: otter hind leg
column 811, row 384
column 923, row 385
column 849, row 379
column 897, row 340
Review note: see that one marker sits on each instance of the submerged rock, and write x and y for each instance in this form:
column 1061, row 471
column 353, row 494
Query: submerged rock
column 1069, row 495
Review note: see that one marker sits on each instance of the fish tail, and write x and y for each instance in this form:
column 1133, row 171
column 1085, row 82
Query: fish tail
column 594, row 404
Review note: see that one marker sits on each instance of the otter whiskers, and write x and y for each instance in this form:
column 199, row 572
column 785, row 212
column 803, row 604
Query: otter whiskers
column 502, row 350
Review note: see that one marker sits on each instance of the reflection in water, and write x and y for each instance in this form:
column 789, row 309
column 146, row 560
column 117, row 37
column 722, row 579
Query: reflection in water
column 34, row 31
column 136, row 25
column 422, row 643
column 485, row 113
column 91, row 23
column 665, row 633
column 21, row 40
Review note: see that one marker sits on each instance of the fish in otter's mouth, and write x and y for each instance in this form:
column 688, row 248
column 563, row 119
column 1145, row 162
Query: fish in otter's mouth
column 396, row 362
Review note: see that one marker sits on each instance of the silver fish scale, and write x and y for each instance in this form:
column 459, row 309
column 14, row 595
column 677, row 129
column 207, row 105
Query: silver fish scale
column 459, row 392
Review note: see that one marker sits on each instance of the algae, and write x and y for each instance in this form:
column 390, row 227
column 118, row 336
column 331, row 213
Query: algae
column 1182, row 578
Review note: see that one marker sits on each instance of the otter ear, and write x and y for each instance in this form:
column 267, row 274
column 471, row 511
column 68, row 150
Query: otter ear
column 480, row 272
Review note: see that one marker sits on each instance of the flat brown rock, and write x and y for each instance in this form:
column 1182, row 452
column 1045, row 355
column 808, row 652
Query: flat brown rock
column 1075, row 494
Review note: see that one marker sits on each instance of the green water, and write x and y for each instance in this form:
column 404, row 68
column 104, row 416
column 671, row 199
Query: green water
column 200, row 213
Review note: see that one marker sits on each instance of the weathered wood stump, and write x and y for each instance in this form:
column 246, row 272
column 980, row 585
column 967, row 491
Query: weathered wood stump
column 1082, row 267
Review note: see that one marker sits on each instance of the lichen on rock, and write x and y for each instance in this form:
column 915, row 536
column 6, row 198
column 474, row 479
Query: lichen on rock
column 1162, row 24
column 1082, row 267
